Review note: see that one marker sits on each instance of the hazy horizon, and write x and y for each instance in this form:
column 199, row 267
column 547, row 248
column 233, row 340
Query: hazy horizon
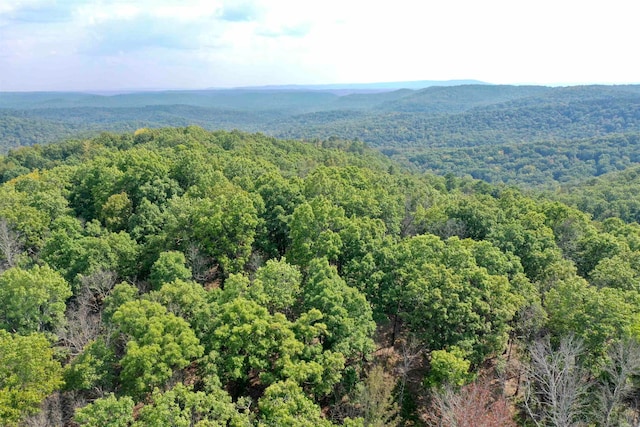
column 145, row 45
column 353, row 87
column 297, row 86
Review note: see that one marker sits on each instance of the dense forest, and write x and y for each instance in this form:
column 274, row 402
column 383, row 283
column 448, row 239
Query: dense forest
column 613, row 195
column 533, row 136
column 185, row 277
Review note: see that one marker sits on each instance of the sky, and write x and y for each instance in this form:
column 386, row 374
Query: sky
column 88, row 45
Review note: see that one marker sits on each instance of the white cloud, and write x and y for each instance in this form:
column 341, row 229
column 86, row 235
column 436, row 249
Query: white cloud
column 190, row 43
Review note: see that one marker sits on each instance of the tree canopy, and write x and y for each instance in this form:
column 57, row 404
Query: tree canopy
column 185, row 277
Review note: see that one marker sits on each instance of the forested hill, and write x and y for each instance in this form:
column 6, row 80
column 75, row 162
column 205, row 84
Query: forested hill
column 502, row 134
column 613, row 195
column 184, row 277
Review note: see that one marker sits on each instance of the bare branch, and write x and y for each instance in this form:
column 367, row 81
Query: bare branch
column 474, row 405
column 615, row 383
column 84, row 322
column 411, row 353
column 10, row 247
column 556, row 383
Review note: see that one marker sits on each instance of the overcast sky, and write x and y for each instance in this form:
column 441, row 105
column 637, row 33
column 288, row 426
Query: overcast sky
column 152, row 44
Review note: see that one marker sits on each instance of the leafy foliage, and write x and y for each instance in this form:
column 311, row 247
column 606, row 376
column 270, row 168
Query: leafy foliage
column 33, row 300
column 108, row 411
column 284, row 404
column 158, row 343
column 28, row 373
column 269, row 282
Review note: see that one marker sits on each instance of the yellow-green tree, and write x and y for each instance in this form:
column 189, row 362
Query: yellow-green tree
column 28, row 374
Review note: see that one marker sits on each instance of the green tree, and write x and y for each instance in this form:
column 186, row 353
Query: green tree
column 345, row 310
column 158, row 343
column 28, row 374
column 116, row 211
column 32, row 300
column 108, row 411
column 92, row 185
column 448, row 368
column 93, row 370
column 145, row 174
column 45, row 190
column 521, row 230
column 621, row 271
column 183, row 407
column 593, row 248
column 193, row 165
column 188, row 300
column 359, row 191
column 285, row 404
column 313, row 229
column 120, row 294
column 317, row 370
column 222, row 225
column 362, row 239
column 249, row 344
column 280, row 196
column 446, row 299
column 281, row 284
column 169, row 267
column 466, row 217
column 147, row 221
column 74, row 251
column 597, row 317
column 30, row 222
column 246, row 340
column 569, row 226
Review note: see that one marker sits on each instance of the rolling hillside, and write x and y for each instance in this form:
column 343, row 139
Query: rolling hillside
column 474, row 130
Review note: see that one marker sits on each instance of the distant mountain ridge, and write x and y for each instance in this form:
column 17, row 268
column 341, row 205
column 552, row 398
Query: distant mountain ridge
column 532, row 135
column 249, row 97
column 368, row 87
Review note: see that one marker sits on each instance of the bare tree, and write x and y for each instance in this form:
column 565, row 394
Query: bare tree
column 203, row 268
column 84, row 322
column 474, row 405
column 50, row 415
column 411, row 354
column 615, row 385
column 10, row 247
column 556, row 384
